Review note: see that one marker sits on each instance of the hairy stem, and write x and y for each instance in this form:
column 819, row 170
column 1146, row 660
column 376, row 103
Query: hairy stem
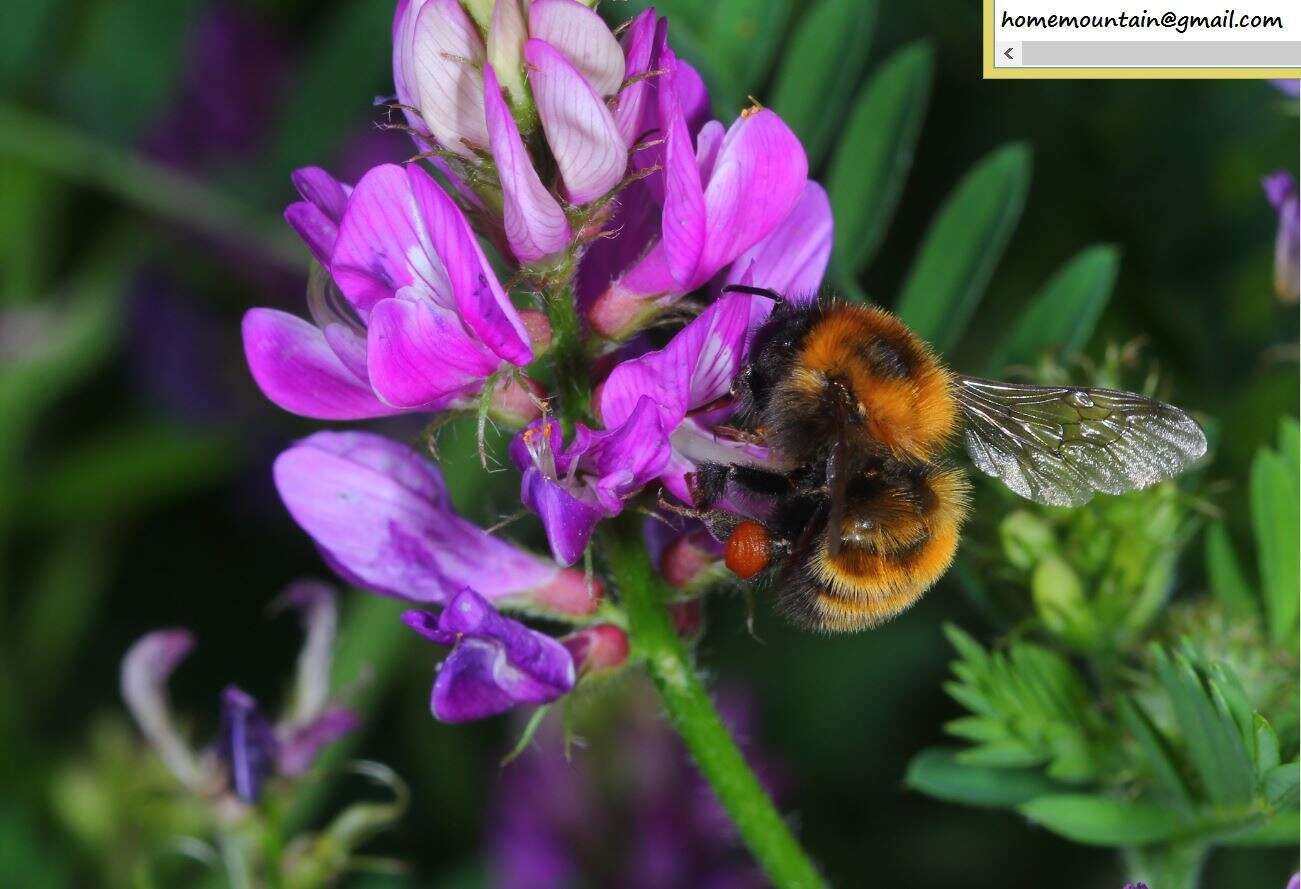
column 568, row 355
column 692, row 714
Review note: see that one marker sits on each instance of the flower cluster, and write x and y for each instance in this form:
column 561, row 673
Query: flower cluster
column 586, row 166
column 249, row 749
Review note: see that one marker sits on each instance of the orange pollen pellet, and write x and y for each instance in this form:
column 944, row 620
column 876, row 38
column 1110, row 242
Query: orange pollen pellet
column 748, row 550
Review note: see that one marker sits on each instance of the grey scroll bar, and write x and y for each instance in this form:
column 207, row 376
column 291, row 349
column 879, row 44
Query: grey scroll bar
column 1160, row 54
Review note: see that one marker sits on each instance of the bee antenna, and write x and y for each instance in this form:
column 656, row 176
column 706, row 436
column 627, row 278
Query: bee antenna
column 754, row 291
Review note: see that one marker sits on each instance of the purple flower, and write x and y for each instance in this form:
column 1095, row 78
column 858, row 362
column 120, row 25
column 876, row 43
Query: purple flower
column 381, row 516
column 415, row 318
column 469, row 94
column 572, row 488
column 632, row 772
column 684, row 380
column 724, row 192
column 249, row 748
column 1288, row 87
column 1281, row 190
column 495, row 662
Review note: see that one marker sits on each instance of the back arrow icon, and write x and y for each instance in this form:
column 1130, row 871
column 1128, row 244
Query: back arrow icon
column 1007, row 53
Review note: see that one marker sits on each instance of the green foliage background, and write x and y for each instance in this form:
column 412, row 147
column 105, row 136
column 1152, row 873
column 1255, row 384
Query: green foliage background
column 970, row 206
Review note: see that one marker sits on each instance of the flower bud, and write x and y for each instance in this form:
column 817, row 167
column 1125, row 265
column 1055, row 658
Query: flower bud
column 597, row 649
column 1060, row 601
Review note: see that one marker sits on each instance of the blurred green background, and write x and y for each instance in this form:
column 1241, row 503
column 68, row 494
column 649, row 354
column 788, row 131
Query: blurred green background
column 134, row 449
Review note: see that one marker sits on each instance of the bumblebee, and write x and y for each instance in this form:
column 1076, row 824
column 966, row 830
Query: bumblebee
column 868, row 515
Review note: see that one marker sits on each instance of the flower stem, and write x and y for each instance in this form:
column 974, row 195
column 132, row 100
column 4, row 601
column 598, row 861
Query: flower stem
column 568, row 355
column 693, row 716
column 1169, row 866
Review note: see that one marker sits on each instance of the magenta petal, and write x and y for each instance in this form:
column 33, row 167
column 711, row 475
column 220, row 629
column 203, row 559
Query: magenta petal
column 758, row 177
column 683, row 225
column 316, row 217
column 582, row 134
column 634, row 102
column 696, row 367
column 420, row 355
column 295, row 367
column 583, row 38
column 378, row 235
column 793, row 258
column 446, row 71
column 322, row 190
column 624, row 459
column 536, row 226
column 693, row 97
column 317, row 230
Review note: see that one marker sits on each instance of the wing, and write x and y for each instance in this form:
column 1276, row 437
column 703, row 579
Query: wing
column 1059, row 444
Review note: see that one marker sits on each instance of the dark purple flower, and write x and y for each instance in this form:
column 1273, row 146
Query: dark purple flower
column 248, row 749
column 572, row 488
column 1281, row 190
column 673, row 832
column 495, row 662
column 381, row 515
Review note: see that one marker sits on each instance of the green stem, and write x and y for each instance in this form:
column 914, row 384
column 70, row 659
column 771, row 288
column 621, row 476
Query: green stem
column 152, row 187
column 568, row 354
column 1170, row 866
column 693, row 715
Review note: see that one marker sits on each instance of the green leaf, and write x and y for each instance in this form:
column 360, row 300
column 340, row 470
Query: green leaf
column 1213, row 742
column 745, row 34
column 1008, row 754
column 937, row 772
column 1228, row 583
column 1102, row 820
column 1267, row 752
column 1155, row 753
column 1280, row 785
column 867, row 173
column 820, row 69
column 1062, row 315
column 1289, row 445
column 1280, row 830
column 1276, row 524
column 962, row 247
column 28, row 32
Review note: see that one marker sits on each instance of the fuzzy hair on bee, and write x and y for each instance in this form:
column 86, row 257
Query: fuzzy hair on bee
column 864, row 513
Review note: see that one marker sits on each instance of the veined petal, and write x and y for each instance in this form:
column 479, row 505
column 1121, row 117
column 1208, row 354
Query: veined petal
column 380, row 514
column 793, row 258
column 758, row 177
column 683, row 225
column 447, row 79
column 479, row 299
column 404, row 34
column 693, row 96
column 536, row 226
column 696, row 367
column 506, row 36
column 420, row 356
column 583, row 38
column 297, row 369
column 145, row 670
column 582, row 134
column 640, row 47
column 379, row 234
column 625, row 458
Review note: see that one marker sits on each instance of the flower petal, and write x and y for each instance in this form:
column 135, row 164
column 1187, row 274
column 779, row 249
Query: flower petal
column 588, row 148
column 506, row 35
column 567, row 519
column 683, row 226
column 641, row 45
column 297, row 750
column 625, row 458
column 380, row 514
column 495, row 664
column 322, row 190
column 583, row 38
column 696, row 367
column 378, row 236
column 297, row 369
column 320, row 617
column 758, row 177
column 420, row 356
column 148, row 665
column 536, row 226
column 446, row 68
column 245, row 743
column 793, row 258
column 597, row 648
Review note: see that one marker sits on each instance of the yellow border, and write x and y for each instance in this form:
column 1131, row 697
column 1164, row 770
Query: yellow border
column 992, row 73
